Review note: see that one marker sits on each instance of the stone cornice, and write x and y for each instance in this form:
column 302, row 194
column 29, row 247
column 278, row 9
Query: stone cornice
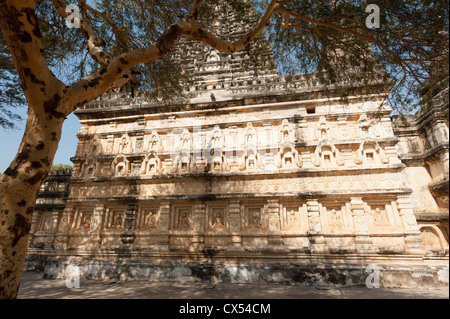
column 430, row 154
column 302, row 172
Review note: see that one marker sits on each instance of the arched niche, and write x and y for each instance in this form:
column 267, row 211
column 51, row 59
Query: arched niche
column 154, row 143
column 151, row 164
column 322, row 129
column 183, row 162
column 370, row 153
column 93, row 146
column 288, row 158
column 251, row 160
column 432, row 237
column 120, row 166
column 125, row 145
column 90, row 168
column 287, row 134
column 250, row 137
column 327, row 155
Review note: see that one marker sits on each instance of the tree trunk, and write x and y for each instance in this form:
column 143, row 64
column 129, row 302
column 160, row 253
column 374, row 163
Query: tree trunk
column 47, row 108
column 19, row 187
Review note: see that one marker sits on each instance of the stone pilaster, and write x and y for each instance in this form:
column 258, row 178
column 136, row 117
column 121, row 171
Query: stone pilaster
column 163, row 226
column 234, row 211
column 56, row 216
column 198, row 240
column 128, row 236
column 361, row 219
column 315, row 227
column 412, row 232
column 62, row 234
column 275, row 235
column 33, row 228
column 97, row 219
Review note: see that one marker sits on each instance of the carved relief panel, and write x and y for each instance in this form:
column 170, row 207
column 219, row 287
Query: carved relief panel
column 182, row 218
column 383, row 216
column 255, row 217
column 217, row 217
column 81, row 219
column 114, row 219
column 147, row 218
column 335, row 216
column 44, row 222
column 294, row 216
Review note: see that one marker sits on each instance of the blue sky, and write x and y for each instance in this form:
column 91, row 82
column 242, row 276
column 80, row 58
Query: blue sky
column 10, row 142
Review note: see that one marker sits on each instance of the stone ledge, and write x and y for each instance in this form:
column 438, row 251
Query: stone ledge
column 303, row 194
column 424, row 216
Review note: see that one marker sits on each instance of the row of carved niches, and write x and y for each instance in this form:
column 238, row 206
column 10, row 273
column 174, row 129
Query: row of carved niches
column 333, row 216
column 367, row 154
column 198, row 137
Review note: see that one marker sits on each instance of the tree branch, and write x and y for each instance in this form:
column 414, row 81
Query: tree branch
column 394, row 55
column 110, row 76
column 194, row 31
column 94, row 43
column 195, row 10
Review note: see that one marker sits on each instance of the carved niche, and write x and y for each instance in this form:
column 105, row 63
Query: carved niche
column 183, row 218
column 217, row 218
column 368, row 128
column 370, row 153
column 216, row 156
column 216, row 139
column 322, row 131
column 293, row 216
column 288, row 158
column 327, row 155
column 121, row 166
column 125, row 145
column 93, row 147
column 151, row 164
column 182, row 162
column 114, row 219
column 255, row 217
column 250, row 136
column 81, row 220
column 185, row 140
column 90, row 168
column 251, row 160
column 335, row 217
column 44, row 222
column 287, row 133
column 147, row 218
column 154, row 143
column 433, row 238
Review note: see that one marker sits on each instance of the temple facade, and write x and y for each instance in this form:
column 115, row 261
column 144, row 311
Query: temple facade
column 251, row 179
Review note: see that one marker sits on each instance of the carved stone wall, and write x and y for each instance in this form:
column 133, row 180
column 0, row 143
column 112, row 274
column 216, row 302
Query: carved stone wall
column 261, row 172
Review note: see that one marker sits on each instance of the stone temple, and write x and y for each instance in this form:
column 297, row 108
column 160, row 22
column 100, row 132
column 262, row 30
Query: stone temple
column 250, row 179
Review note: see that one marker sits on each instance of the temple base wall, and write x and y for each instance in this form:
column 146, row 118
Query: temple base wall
column 324, row 272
